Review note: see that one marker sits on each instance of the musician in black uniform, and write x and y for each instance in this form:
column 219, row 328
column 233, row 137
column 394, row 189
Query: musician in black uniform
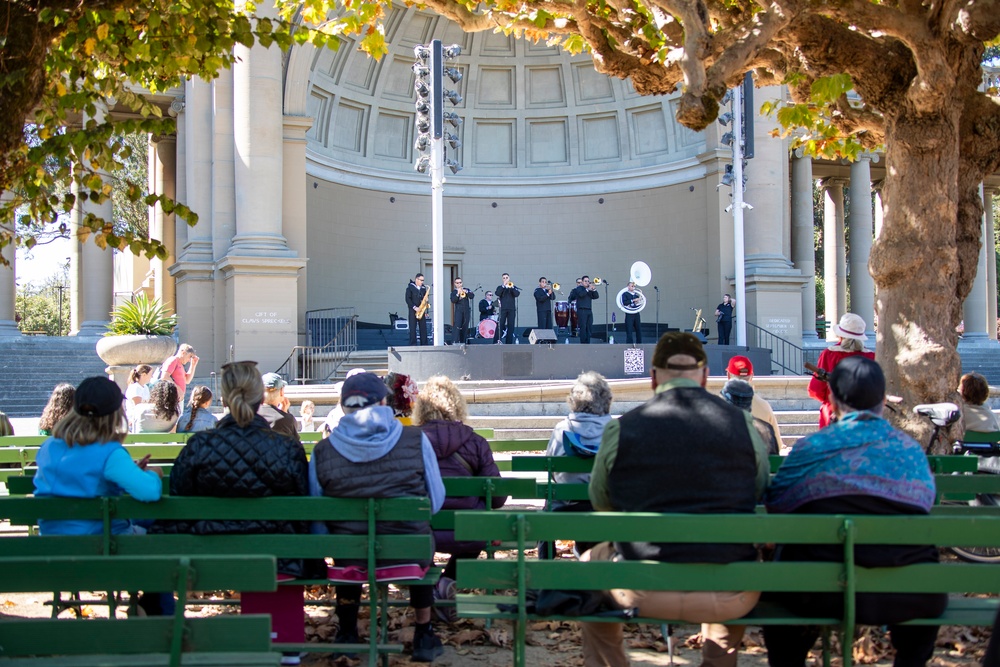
column 486, row 306
column 632, row 299
column 584, row 296
column 543, row 303
column 415, row 292
column 507, row 295
column 462, row 298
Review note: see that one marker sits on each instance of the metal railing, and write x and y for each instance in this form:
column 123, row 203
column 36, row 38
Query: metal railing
column 787, row 358
column 332, row 334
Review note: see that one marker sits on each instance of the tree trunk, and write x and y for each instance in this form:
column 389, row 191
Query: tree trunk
column 920, row 273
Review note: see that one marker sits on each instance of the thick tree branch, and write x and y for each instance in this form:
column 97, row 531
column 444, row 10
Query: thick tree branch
column 980, row 19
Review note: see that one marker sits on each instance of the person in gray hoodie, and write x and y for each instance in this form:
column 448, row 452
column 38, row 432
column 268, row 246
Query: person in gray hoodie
column 372, row 455
column 579, row 435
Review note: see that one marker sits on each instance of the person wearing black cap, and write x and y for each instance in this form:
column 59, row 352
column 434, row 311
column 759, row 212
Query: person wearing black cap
column 370, row 454
column 740, row 393
column 866, row 467
column 84, row 458
column 684, row 450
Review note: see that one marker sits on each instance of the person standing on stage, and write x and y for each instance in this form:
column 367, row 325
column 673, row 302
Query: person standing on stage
column 486, row 307
column 632, row 299
column 724, row 318
column 415, row 293
column 584, row 296
column 543, row 303
column 574, row 330
column 506, row 294
column 462, row 298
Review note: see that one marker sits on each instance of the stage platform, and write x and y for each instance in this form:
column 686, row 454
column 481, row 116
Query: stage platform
column 549, row 361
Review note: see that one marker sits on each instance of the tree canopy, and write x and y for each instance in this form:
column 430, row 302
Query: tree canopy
column 897, row 75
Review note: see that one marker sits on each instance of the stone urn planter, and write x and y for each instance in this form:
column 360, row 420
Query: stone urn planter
column 123, row 353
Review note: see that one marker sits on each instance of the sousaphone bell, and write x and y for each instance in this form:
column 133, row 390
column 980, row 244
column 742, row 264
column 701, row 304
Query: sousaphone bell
column 641, row 276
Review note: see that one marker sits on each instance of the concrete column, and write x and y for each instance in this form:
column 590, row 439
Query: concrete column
column 294, row 198
column 975, row 309
column 223, row 205
column 834, row 252
column 862, row 283
column 877, row 207
column 991, row 263
column 177, row 111
column 8, row 289
column 803, row 240
column 91, row 274
column 257, row 131
column 162, row 180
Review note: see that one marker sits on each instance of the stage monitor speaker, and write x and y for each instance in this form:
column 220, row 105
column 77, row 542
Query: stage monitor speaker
column 543, row 336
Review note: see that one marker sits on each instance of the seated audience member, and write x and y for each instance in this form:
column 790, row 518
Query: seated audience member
column 684, row 450
column 859, row 464
column 137, row 392
column 60, row 404
column 333, row 417
column 461, row 452
column 402, row 393
column 370, row 454
column 579, row 435
column 307, row 411
column 6, row 428
column 740, row 394
column 274, row 409
column 978, row 417
column 741, row 368
column 197, row 415
column 161, row 413
column 242, row 457
column 84, row 458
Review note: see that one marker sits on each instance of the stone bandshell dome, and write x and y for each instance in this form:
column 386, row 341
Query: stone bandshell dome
column 536, row 119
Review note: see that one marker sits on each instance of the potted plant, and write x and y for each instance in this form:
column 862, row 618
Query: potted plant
column 140, row 332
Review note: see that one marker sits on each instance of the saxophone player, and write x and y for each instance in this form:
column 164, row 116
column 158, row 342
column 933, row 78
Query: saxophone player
column 462, row 298
column 415, row 293
column 507, row 294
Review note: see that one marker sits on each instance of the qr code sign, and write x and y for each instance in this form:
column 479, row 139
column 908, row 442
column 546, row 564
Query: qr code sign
column 635, row 361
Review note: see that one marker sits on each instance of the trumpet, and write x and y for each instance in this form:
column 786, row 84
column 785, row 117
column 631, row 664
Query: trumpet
column 555, row 288
column 596, row 281
column 461, row 293
column 509, row 284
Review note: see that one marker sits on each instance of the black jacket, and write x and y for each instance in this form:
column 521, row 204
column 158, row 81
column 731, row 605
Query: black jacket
column 506, row 296
column 414, row 295
column 584, row 297
column 464, row 303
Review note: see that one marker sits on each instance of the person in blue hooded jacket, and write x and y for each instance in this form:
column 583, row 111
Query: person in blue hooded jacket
column 370, row 454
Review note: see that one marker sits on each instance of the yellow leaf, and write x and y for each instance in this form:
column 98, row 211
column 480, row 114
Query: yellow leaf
column 102, row 31
column 88, row 46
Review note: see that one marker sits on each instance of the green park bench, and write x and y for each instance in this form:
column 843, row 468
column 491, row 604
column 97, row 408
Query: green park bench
column 521, row 573
column 26, row 511
column 242, row 640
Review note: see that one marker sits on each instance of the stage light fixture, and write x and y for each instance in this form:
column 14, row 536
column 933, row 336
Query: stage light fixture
column 453, row 141
column 453, row 97
column 422, row 143
column 453, row 119
column 726, row 118
column 453, row 73
column 421, row 70
column 454, row 166
column 421, row 52
column 727, row 138
column 452, row 51
column 423, row 124
column 423, row 164
column 422, row 106
column 423, row 90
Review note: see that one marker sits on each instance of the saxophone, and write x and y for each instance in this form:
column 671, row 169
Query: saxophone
column 424, row 305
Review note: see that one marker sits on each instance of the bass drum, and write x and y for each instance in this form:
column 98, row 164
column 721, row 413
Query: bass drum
column 487, row 328
column 573, row 317
column 562, row 314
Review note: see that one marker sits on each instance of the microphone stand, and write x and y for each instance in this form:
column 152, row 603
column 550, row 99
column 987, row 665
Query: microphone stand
column 607, row 331
column 657, row 290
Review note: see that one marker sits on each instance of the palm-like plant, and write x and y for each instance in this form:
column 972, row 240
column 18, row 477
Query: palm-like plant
column 143, row 316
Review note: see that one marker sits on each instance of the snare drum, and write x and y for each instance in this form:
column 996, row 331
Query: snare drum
column 562, row 314
column 487, row 328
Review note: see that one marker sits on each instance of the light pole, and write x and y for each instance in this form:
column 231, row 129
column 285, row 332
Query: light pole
column 430, row 71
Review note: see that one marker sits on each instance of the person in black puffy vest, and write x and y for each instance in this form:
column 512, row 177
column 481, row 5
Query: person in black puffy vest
column 684, row 450
column 370, row 454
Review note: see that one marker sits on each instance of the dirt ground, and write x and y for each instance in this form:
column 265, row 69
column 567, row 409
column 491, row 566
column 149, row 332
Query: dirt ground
column 550, row 643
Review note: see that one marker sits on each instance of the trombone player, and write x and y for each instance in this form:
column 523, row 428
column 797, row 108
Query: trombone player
column 632, row 302
column 462, row 298
column 507, row 294
column 544, row 296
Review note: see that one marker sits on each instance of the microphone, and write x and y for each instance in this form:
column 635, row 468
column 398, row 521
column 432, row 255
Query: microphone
column 656, row 288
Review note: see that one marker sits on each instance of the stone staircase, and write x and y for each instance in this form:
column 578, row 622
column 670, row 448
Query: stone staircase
column 32, row 366
column 983, row 359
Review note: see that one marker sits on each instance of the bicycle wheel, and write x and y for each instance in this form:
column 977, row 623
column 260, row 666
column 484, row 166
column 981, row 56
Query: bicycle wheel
column 980, row 554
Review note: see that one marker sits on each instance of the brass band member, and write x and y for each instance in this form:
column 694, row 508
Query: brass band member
column 462, row 298
column 415, row 293
column 632, row 299
column 487, row 307
column 584, row 296
column 544, row 296
column 507, row 293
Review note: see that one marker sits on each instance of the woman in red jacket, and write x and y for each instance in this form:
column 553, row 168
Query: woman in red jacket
column 850, row 342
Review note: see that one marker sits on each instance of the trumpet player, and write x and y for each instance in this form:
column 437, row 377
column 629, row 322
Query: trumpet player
column 584, row 296
column 544, row 296
column 632, row 300
column 507, row 294
column 462, row 298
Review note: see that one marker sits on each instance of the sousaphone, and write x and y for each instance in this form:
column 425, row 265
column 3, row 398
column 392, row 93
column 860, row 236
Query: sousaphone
column 641, row 276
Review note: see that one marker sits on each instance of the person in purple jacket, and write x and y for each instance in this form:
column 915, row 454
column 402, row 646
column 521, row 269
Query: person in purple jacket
column 440, row 412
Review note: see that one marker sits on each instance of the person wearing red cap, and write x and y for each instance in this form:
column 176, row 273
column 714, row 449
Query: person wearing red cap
column 741, row 368
column 850, row 342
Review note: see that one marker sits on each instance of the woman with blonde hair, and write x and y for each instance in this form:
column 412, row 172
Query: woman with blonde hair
column 439, row 411
column 196, row 416
column 60, row 404
column 270, row 464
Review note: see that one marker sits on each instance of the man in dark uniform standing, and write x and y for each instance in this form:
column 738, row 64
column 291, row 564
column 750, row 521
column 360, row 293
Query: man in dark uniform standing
column 543, row 303
column 631, row 300
column 415, row 292
column 507, row 294
column 584, row 296
column 462, row 298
